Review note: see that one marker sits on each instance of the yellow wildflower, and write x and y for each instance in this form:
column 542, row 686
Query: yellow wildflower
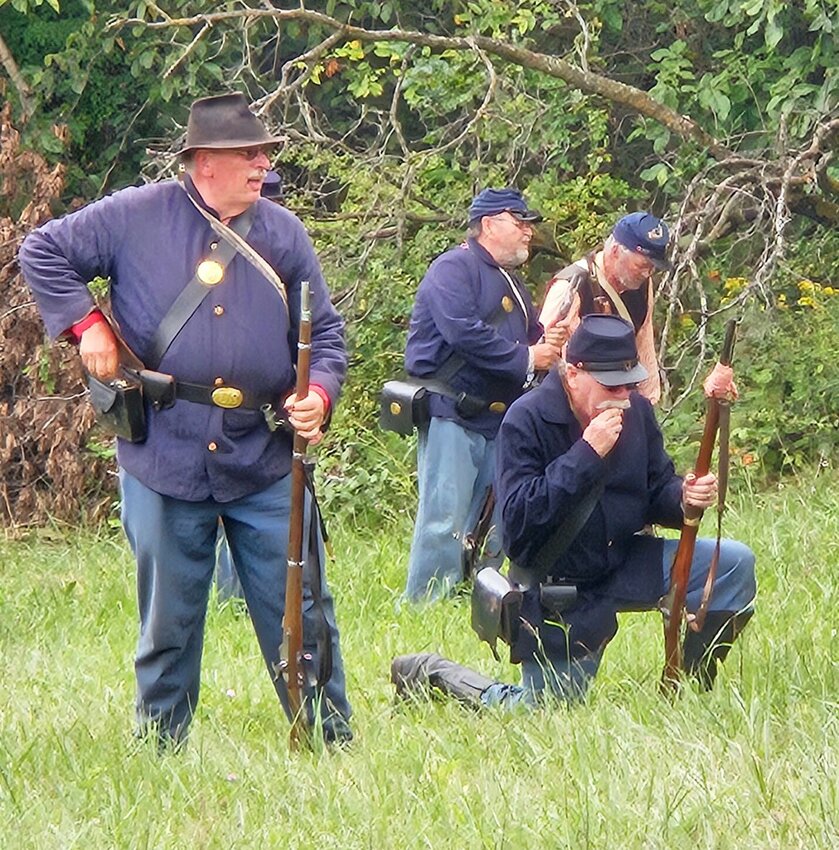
column 734, row 284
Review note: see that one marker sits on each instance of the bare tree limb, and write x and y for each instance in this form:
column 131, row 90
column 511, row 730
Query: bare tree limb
column 553, row 66
column 24, row 93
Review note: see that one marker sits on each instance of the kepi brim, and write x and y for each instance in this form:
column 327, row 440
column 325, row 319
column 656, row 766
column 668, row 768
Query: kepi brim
column 618, row 377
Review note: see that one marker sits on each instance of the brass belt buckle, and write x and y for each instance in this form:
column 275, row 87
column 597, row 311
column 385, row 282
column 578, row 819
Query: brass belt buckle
column 226, row 397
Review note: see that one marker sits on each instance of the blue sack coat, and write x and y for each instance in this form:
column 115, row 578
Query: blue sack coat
column 544, row 469
column 149, row 242
column 455, row 304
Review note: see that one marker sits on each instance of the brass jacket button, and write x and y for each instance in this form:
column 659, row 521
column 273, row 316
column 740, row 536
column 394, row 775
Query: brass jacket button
column 218, row 310
column 212, row 446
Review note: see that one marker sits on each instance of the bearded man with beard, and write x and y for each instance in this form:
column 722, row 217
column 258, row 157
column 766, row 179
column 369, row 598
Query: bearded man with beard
column 617, row 279
column 474, row 332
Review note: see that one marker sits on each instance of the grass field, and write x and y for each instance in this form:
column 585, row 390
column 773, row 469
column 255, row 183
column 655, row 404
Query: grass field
column 755, row 764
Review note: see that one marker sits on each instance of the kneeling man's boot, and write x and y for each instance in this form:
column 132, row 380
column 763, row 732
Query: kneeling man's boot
column 416, row 675
column 703, row 650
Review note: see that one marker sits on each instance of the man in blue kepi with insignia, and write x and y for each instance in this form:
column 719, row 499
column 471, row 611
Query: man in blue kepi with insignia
column 475, row 330
column 225, row 367
column 617, row 279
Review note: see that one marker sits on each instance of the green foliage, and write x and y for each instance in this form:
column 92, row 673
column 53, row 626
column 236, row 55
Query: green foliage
column 787, row 417
column 86, row 86
column 722, row 66
column 379, row 215
column 790, row 414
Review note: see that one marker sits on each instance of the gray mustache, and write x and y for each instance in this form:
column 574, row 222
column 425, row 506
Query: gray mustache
column 614, row 404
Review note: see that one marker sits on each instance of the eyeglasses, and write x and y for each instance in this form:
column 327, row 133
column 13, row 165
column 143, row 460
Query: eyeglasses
column 617, row 387
column 514, row 219
column 251, row 154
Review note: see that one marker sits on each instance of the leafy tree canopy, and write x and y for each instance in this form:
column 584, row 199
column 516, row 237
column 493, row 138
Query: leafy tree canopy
column 719, row 115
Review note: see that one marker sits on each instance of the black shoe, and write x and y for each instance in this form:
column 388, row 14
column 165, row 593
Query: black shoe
column 702, row 651
column 337, row 732
column 418, row 675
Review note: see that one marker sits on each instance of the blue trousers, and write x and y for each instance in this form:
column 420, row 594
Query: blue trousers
column 454, row 469
column 734, row 591
column 174, row 543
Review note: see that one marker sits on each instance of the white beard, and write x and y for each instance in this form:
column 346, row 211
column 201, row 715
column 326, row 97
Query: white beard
column 517, row 258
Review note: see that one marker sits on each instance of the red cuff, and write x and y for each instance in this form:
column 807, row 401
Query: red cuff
column 76, row 331
column 327, row 402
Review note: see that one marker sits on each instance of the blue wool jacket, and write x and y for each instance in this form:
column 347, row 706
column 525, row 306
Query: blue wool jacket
column 453, row 313
column 544, row 469
column 149, row 241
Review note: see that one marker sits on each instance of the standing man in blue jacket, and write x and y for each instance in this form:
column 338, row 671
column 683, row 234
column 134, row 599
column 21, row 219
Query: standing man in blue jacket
column 208, row 456
column 474, row 325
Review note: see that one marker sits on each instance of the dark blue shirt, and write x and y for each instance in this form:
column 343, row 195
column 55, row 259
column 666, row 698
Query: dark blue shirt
column 543, row 470
column 149, row 242
column 453, row 314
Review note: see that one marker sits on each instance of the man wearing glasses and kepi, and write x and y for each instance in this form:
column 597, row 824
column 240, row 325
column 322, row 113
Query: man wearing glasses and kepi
column 205, row 284
column 474, row 332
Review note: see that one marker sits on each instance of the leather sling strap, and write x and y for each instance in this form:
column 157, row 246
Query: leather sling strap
column 607, row 287
column 247, row 251
column 517, row 295
column 557, row 544
column 193, row 294
column 323, row 670
column 723, row 461
column 439, row 382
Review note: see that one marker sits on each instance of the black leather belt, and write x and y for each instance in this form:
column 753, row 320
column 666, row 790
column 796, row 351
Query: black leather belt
column 163, row 390
column 230, row 398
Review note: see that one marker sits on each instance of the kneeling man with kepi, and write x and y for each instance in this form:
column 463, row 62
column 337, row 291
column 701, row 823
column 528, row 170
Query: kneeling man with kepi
column 584, row 452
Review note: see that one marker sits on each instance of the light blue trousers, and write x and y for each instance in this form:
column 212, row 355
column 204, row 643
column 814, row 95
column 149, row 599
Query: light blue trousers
column 174, row 543
column 454, row 469
column 734, row 591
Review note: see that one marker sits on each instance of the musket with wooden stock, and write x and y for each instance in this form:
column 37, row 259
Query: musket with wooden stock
column 673, row 603
column 293, row 662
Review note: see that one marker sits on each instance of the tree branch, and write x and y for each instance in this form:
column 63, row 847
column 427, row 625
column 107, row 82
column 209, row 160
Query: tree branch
column 24, row 93
column 553, row 66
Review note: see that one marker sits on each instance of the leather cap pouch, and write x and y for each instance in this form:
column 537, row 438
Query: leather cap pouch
column 119, row 406
column 403, row 406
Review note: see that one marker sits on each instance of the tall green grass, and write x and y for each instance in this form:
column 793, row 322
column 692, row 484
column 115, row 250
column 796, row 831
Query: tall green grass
column 752, row 765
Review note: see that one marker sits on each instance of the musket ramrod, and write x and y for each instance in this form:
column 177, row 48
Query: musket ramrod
column 673, row 603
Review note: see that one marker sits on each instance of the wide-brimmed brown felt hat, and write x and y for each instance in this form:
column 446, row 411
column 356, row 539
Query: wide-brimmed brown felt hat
column 225, row 121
